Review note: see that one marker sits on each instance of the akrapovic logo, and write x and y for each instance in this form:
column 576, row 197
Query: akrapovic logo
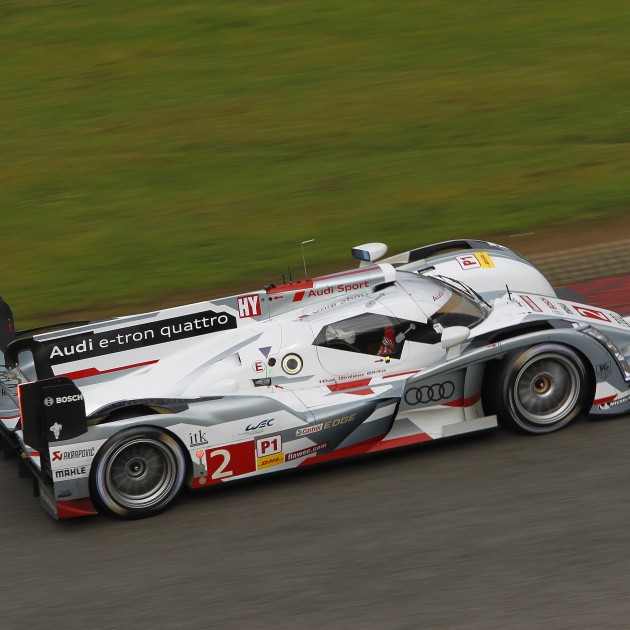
column 82, row 453
column 60, row 400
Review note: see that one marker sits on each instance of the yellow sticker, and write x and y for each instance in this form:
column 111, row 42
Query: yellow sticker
column 484, row 260
column 270, row 460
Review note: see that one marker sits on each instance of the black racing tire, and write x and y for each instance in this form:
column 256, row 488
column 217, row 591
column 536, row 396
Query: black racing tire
column 137, row 473
column 540, row 389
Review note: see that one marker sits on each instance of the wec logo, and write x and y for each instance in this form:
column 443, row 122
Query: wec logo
column 263, row 424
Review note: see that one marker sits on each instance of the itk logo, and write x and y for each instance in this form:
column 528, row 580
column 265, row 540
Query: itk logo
column 248, row 306
column 198, row 438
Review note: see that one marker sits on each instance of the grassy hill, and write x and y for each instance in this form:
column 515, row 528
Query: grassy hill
column 151, row 149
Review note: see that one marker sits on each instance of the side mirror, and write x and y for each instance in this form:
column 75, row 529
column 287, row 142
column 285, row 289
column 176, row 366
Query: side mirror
column 452, row 337
column 369, row 252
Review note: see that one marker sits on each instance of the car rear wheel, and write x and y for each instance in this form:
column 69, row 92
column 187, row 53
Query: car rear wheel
column 541, row 389
column 137, row 473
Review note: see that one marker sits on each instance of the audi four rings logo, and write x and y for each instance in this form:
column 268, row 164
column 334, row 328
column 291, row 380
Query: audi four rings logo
column 429, row 393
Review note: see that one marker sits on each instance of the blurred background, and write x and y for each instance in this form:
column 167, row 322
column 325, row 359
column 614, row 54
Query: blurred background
column 160, row 152
column 157, row 152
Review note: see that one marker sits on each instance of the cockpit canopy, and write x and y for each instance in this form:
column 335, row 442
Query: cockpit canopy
column 418, row 314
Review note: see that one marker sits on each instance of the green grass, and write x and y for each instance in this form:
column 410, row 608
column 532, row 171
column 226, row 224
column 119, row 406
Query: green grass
column 156, row 148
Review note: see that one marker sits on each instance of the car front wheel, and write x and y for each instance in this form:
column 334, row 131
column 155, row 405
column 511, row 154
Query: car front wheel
column 541, row 389
column 137, row 473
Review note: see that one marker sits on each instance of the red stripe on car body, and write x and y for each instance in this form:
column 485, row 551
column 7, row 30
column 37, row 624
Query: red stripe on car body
column 96, row 372
column 408, row 440
column 308, row 284
column 401, row 374
column 602, row 401
column 340, row 387
column 464, row 402
column 296, row 286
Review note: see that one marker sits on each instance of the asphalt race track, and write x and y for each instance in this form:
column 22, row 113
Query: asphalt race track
column 494, row 531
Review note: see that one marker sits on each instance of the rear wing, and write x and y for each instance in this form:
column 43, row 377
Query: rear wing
column 440, row 249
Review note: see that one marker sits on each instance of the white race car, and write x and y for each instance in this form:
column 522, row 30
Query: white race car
column 119, row 415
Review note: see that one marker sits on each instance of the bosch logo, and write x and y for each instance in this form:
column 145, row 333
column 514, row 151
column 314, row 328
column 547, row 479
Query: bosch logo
column 49, row 401
column 429, row 393
column 66, row 399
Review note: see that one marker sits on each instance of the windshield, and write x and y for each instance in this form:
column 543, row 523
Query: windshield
column 459, row 310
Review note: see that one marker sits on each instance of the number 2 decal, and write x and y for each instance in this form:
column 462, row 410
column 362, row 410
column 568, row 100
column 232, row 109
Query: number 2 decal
column 220, row 472
column 231, row 460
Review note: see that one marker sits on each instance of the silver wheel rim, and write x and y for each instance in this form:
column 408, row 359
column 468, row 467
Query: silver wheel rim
column 140, row 473
column 547, row 389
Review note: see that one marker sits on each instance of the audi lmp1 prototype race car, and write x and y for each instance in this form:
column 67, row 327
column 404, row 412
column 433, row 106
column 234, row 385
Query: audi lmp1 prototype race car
column 118, row 416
